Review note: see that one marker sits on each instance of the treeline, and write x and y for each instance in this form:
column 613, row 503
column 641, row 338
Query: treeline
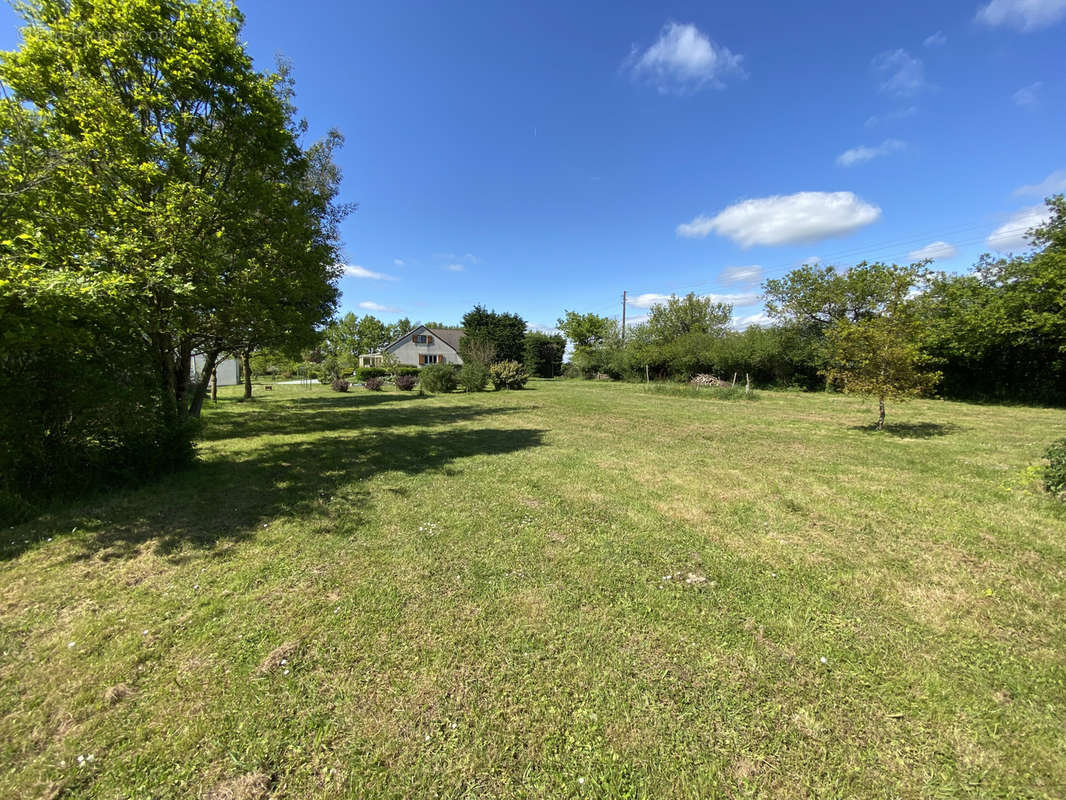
column 156, row 204
column 995, row 333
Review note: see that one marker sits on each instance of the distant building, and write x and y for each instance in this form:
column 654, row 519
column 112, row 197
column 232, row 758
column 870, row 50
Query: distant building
column 420, row 347
column 228, row 370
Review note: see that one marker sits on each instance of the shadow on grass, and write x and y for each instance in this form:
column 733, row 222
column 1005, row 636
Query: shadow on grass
column 322, row 477
column 912, row 430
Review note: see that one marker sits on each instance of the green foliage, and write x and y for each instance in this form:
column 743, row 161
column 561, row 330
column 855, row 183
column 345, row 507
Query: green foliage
column 504, row 334
column 474, row 376
column 438, row 378
column 406, row 371
column 157, row 204
column 585, row 330
column 374, row 384
column 406, row 383
column 1055, row 472
column 508, row 375
column 544, row 354
column 687, row 316
column 366, row 373
column 340, row 385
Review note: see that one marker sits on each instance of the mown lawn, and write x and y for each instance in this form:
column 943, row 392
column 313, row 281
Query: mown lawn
column 578, row 590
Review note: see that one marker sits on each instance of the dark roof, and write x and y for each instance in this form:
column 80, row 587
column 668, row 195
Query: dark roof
column 450, row 336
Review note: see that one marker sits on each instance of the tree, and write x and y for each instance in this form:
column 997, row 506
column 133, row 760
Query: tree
column 585, row 330
column 880, row 354
column 505, row 332
column 680, row 316
column 180, row 175
column 544, row 354
column 817, row 297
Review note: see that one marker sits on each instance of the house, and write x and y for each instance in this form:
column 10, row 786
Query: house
column 420, row 347
column 228, row 370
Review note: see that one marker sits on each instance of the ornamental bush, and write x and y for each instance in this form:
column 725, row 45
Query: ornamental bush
column 1055, row 474
column 374, row 384
column 365, row 373
column 339, row 385
column 409, row 371
column 474, row 377
column 439, row 378
column 406, row 383
column 508, row 375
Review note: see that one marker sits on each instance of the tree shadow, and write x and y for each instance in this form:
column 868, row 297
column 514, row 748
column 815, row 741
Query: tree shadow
column 912, row 430
column 321, row 478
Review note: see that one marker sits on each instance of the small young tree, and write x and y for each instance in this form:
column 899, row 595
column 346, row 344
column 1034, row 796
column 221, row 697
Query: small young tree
column 880, row 357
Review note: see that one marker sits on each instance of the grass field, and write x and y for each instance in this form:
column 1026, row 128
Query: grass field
column 578, row 590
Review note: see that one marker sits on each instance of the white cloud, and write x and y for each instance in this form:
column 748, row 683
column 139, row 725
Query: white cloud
column 370, row 305
column 399, row 262
column 938, row 39
column 935, row 250
column 746, row 276
column 1011, row 234
column 1024, row 15
column 814, row 261
column 891, row 116
column 1028, row 95
column 355, row 271
column 901, row 73
column 455, row 267
column 858, row 155
column 470, row 258
column 1052, row 184
column 786, row 219
column 683, row 59
column 650, row 299
column 759, row 318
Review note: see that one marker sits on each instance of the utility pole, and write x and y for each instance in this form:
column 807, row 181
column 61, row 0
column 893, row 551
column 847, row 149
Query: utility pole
column 623, row 316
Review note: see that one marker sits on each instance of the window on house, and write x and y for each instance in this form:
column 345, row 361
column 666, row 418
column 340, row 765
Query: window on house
column 431, row 359
column 421, row 338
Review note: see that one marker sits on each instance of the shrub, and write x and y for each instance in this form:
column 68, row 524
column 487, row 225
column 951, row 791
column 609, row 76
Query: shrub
column 374, row 384
column 1055, row 474
column 339, row 385
column 438, row 378
column 409, row 371
column 365, row 373
column 406, row 383
column 508, row 375
column 474, row 377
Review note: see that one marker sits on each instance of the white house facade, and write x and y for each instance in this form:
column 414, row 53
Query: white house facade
column 227, row 369
column 419, row 348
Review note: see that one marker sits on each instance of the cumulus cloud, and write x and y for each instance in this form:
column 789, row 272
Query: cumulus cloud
column 891, row 116
column 1052, row 184
column 455, row 267
column 814, row 261
column 650, row 299
column 370, row 305
column 1028, row 95
column 863, row 153
column 1023, row 15
column 745, row 276
column 759, row 318
column 934, row 250
column 355, row 271
column 900, row 73
column 1011, row 235
column 937, row 39
column 786, row 219
column 683, row 59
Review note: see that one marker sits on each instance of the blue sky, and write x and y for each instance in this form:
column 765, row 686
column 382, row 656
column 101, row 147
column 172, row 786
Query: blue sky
column 540, row 156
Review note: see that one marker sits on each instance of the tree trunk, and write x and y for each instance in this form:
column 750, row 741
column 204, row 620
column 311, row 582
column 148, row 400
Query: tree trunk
column 196, row 403
column 246, row 365
column 881, row 416
column 214, row 385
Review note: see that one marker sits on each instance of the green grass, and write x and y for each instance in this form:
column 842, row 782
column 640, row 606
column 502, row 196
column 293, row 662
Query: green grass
column 578, row 590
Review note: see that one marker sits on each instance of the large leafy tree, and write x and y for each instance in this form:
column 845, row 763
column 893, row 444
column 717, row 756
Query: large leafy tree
column 544, row 354
column 175, row 179
column 502, row 333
